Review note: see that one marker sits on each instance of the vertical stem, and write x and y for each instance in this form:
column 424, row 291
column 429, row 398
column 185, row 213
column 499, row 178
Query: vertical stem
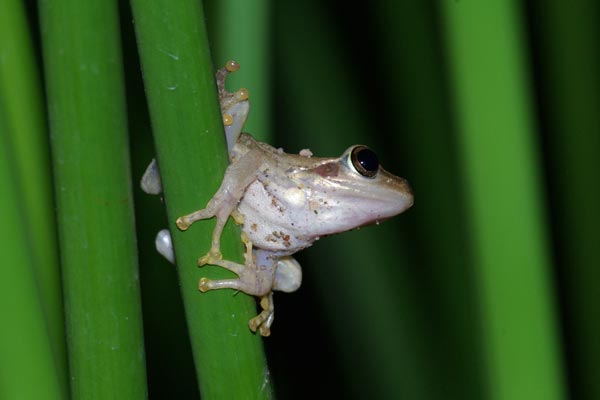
column 567, row 40
column 190, row 143
column 242, row 32
column 27, row 368
column 504, row 192
column 82, row 60
column 22, row 97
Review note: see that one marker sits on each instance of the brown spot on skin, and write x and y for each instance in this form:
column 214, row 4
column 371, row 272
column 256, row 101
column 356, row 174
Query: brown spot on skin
column 254, row 227
column 328, row 169
column 275, row 204
column 279, row 237
column 283, row 236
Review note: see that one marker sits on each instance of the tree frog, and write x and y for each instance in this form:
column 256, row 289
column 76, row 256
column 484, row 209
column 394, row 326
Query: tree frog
column 283, row 203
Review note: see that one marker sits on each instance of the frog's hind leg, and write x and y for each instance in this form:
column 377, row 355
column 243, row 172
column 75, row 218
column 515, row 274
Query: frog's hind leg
column 249, row 282
column 264, row 320
column 253, row 278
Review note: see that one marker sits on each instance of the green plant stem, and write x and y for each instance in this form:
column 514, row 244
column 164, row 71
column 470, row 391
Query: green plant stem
column 27, row 367
column 242, row 32
column 494, row 116
column 567, row 39
column 83, row 68
column 190, row 145
column 22, row 98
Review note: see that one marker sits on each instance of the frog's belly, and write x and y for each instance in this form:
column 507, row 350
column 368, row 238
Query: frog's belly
column 272, row 220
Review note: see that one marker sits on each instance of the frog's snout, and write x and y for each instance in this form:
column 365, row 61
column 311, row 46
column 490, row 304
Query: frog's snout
column 408, row 193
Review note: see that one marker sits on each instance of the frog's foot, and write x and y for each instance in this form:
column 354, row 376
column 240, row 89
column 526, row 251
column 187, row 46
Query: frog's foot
column 235, row 106
column 212, row 257
column 247, row 283
column 231, row 99
column 264, row 320
column 215, row 257
column 184, row 222
column 252, row 279
column 227, row 99
column 221, row 75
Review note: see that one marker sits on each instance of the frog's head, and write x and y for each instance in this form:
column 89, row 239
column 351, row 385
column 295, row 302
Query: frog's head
column 354, row 190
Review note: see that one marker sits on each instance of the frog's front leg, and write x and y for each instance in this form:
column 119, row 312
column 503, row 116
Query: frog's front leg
column 238, row 176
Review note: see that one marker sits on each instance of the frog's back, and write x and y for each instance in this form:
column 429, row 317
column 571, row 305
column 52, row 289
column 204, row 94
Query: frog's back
column 272, row 157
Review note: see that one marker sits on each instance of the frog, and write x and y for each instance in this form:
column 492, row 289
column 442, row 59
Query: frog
column 283, row 203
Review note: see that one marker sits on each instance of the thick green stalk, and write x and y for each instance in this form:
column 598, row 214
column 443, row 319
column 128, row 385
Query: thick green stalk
column 22, row 98
column 190, row 145
column 27, row 368
column 494, row 116
column 569, row 61
column 86, row 102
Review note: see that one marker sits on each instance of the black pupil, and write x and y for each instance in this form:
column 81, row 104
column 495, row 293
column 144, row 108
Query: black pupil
column 369, row 164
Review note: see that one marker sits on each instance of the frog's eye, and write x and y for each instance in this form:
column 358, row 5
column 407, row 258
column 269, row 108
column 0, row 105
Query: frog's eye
column 364, row 161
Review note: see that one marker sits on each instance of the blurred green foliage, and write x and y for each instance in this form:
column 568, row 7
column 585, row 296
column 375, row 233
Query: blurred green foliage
column 486, row 288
